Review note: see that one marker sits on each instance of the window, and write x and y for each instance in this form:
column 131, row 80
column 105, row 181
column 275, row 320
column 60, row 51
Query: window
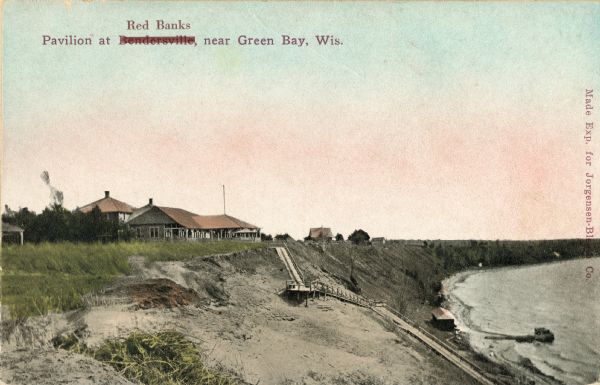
column 154, row 232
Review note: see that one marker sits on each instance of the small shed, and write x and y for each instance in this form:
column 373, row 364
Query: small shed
column 442, row 318
column 320, row 233
column 12, row 233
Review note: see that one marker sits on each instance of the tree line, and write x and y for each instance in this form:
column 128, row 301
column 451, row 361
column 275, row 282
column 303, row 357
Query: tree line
column 358, row 237
column 457, row 256
column 56, row 224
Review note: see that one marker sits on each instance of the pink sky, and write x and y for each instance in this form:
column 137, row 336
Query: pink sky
column 423, row 136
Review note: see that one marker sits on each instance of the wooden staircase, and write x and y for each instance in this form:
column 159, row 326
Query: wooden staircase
column 318, row 289
column 315, row 288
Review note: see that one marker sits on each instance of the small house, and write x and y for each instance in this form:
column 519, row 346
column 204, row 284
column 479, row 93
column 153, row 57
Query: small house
column 12, row 233
column 111, row 208
column 320, row 234
column 442, row 319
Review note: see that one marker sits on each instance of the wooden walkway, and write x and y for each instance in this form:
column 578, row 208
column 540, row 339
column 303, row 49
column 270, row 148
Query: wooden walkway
column 318, row 289
column 434, row 344
column 315, row 288
column 297, row 282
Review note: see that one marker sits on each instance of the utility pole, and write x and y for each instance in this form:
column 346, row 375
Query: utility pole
column 224, row 208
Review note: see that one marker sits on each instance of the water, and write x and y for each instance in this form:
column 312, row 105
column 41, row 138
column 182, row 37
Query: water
column 516, row 300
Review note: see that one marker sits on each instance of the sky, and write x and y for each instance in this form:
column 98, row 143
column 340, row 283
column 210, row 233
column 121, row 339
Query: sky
column 432, row 121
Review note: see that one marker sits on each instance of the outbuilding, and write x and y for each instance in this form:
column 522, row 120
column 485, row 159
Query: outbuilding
column 12, row 233
column 442, row 318
column 320, row 234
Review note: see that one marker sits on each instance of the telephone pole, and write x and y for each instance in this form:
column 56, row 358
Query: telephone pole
column 224, row 207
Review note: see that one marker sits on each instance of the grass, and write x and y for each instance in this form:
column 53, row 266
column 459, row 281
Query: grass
column 48, row 277
column 152, row 358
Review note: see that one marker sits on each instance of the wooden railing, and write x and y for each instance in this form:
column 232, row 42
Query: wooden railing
column 344, row 295
column 294, row 263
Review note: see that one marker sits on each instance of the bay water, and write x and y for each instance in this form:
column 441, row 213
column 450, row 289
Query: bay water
column 515, row 300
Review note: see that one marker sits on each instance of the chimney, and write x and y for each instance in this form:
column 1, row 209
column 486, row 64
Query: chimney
column 106, row 194
column 150, row 202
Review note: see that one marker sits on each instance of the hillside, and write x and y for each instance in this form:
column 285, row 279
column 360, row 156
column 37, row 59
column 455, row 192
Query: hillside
column 408, row 275
column 231, row 307
column 402, row 275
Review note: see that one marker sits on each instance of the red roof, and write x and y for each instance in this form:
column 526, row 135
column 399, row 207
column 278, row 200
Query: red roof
column 108, row 205
column 222, row 222
column 440, row 313
column 320, row 232
column 181, row 216
column 191, row 220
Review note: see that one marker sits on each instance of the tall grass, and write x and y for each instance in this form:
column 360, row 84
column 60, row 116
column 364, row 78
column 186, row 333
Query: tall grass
column 163, row 358
column 47, row 277
column 27, row 295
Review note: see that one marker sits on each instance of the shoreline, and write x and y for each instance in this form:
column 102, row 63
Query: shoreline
column 523, row 370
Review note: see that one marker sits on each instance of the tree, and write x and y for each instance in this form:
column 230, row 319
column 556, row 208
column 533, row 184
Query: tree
column 339, row 237
column 53, row 224
column 283, row 237
column 266, row 237
column 359, row 237
column 23, row 218
column 57, row 224
column 93, row 227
